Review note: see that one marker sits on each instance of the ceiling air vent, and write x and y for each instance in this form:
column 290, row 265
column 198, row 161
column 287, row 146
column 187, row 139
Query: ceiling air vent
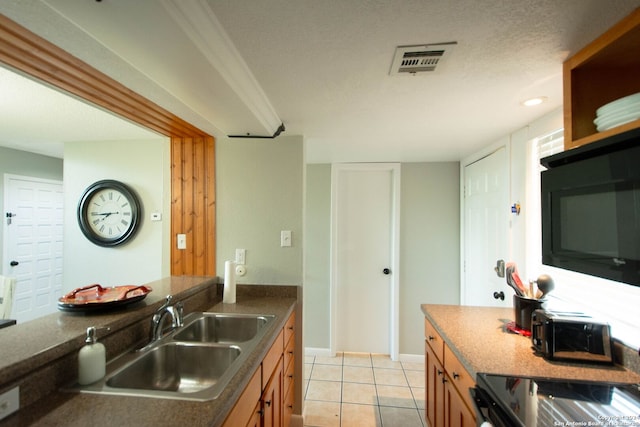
column 423, row 58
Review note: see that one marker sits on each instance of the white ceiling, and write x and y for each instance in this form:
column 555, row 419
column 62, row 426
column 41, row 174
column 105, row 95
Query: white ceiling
column 322, row 67
column 40, row 119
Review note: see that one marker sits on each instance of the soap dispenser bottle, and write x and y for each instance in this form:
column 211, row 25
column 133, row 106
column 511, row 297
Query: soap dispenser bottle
column 91, row 359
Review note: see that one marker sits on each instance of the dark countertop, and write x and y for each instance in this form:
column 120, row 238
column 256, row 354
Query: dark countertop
column 82, row 409
column 30, row 344
column 478, row 338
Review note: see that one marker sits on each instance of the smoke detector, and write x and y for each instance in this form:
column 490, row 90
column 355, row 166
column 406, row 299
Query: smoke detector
column 420, row 59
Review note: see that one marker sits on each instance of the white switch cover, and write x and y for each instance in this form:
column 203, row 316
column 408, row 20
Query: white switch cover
column 241, row 255
column 285, row 238
column 9, row 402
column 182, row 241
column 156, row 216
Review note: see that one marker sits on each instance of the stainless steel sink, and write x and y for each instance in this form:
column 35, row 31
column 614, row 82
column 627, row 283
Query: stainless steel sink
column 176, row 367
column 221, row 328
column 194, row 362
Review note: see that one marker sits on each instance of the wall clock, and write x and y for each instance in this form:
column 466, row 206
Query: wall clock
column 108, row 213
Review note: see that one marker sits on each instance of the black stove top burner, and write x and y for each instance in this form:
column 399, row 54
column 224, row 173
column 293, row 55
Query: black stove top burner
column 520, row 401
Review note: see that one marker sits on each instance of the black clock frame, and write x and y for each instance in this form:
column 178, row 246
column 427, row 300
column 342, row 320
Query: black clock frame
column 83, row 206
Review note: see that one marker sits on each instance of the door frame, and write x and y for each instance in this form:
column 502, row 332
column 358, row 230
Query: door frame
column 394, row 300
column 486, row 152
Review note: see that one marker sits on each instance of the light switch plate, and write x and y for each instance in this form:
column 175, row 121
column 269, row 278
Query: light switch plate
column 182, row 241
column 285, row 238
column 9, row 402
column 241, row 255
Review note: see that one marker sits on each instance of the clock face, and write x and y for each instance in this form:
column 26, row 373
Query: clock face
column 108, row 213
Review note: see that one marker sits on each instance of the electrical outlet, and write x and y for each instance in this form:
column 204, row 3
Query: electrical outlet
column 241, row 255
column 9, row 402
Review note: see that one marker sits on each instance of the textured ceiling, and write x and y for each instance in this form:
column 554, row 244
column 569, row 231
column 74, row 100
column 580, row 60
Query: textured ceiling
column 41, row 119
column 324, row 66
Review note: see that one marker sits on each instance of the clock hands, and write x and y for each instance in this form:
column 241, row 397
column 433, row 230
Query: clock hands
column 104, row 214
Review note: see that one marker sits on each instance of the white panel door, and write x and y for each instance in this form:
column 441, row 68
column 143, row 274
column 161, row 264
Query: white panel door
column 33, row 244
column 364, row 258
column 486, row 229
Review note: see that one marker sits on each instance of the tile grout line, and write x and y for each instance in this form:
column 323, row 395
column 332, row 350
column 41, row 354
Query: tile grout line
column 378, row 406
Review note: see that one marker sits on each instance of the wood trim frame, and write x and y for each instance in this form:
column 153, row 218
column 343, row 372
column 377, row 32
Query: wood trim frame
column 193, row 151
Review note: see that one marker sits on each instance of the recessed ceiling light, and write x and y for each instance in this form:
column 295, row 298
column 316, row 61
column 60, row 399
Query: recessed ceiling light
column 534, row 101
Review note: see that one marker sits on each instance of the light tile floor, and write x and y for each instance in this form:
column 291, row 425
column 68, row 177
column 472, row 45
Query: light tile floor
column 362, row 389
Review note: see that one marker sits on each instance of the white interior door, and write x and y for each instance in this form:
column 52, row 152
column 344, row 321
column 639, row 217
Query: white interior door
column 485, row 229
column 33, row 244
column 364, row 243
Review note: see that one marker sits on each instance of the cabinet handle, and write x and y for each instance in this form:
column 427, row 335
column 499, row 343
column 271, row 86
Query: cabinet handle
column 290, row 328
column 290, row 406
column 456, row 376
column 291, row 376
column 290, row 352
column 267, row 402
column 440, row 372
column 261, row 412
column 431, row 338
column 444, row 380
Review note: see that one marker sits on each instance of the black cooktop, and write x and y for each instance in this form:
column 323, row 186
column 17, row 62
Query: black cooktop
column 550, row 402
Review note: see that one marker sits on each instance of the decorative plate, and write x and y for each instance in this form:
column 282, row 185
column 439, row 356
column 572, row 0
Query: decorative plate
column 95, row 297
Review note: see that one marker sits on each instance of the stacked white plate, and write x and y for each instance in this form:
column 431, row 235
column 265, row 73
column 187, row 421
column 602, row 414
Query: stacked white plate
column 618, row 112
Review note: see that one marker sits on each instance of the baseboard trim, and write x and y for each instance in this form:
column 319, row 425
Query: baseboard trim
column 325, row 352
column 315, row 351
column 297, row 420
column 412, row 358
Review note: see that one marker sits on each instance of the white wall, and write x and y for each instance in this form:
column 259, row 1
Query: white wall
column 317, row 244
column 144, row 166
column 429, row 245
column 259, row 192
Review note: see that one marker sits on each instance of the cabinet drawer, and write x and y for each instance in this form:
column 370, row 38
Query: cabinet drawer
column 434, row 340
column 290, row 328
column 271, row 359
column 289, row 352
column 289, row 375
column 459, row 376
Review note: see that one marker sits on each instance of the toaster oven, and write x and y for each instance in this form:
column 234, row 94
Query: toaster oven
column 571, row 336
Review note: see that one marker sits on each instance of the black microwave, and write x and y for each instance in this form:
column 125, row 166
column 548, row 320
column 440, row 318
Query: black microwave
column 591, row 209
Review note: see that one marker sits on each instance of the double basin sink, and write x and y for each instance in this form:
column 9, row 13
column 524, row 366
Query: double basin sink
column 193, row 362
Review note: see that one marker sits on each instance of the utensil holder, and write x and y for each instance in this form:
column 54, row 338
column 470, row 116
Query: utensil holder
column 523, row 308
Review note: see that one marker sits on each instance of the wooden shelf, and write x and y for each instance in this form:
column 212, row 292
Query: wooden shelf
column 605, row 70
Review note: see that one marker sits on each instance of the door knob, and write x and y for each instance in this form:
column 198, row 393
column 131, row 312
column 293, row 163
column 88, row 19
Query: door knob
column 13, row 263
column 499, row 295
column 386, row 271
column 499, row 268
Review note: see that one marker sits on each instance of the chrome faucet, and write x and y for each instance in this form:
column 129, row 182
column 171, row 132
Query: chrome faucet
column 157, row 321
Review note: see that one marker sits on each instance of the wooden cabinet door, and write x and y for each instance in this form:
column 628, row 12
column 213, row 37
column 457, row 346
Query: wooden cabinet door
column 250, row 398
column 434, row 376
column 456, row 412
column 256, row 417
column 272, row 399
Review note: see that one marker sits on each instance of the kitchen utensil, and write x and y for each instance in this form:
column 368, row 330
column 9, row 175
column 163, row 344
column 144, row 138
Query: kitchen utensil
column 545, row 284
column 510, row 281
column 516, row 279
column 513, row 279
